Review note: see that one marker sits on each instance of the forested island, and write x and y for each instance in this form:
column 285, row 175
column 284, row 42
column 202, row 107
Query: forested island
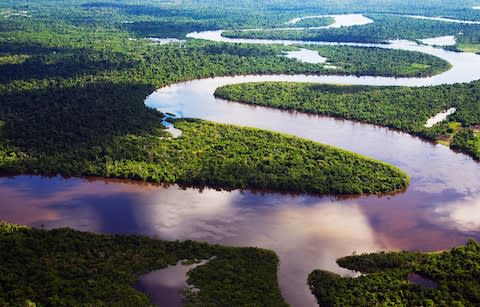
column 385, row 27
column 74, row 75
column 311, row 22
column 64, row 267
column 220, row 156
column 448, row 278
column 403, row 108
column 72, row 104
column 68, row 267
column 348, row 60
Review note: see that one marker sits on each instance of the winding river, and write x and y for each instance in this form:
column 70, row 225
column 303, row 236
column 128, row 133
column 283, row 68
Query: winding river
column 439, row 210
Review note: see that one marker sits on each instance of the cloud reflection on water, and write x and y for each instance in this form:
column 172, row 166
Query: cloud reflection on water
column 307, row 232
column 305, row 235
column 462, row 216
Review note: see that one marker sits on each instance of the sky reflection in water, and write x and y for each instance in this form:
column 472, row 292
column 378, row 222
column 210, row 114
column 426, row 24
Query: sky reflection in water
column 438, row 211
column 307, row 232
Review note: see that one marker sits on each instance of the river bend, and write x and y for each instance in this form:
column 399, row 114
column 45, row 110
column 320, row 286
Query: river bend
column 439, row 210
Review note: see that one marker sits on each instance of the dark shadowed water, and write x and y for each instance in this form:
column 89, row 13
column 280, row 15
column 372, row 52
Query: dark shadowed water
column 439, row 210
column 163, row 285
column 307, row 232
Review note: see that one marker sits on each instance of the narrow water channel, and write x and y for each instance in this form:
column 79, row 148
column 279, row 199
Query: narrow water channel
column 439, row 210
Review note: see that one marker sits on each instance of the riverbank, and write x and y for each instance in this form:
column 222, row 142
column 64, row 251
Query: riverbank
column 400, row 108
column 403, row 278
column 223, row 156
column 68, row 267
column 90, row 93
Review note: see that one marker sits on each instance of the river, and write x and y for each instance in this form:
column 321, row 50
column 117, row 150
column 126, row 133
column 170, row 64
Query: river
column 439, row 210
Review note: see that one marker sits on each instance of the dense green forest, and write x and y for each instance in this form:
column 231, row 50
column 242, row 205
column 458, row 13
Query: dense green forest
column 174, row 19
column 64, row 267
column 312, row 22
column 72, row 96
column 73, row 78
column 468, row 141
column 381, row 62
column 403, row 108
column 215, row 155
column 76, row 108
column 222, row 14
column 384, row 28
column 452, row 279
column 34, row 49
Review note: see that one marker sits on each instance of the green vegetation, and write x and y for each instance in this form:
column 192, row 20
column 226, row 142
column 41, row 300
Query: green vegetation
column 455, row 275
column 403, row 108
column 467, row 141
column 64, row 267
column 176, row 17
column 466, row 47
column 13, row 59
column 313, row 22
column 384, row 28
column 452, row 129
column 73, row 77
column 216, row 155
column 64, row 51
column 381, row 62
column 74, row 105
column 237, row 277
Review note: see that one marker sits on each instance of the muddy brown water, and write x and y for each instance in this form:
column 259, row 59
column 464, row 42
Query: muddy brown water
column 439, row 210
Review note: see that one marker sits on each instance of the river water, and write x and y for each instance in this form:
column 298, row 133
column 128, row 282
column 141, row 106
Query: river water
column 439, row 210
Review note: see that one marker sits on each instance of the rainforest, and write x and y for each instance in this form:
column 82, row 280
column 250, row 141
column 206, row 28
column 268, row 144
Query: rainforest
column 253, row 145
column 395, row 107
